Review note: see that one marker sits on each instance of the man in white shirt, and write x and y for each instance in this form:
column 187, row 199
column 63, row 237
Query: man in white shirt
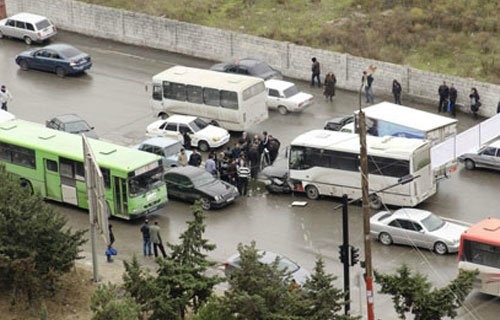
column 5, row 97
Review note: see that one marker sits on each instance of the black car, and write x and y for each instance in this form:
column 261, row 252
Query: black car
column 62, row 59
column 248, row 67
column 337, row 123
column 192, row 183
column 71, row 123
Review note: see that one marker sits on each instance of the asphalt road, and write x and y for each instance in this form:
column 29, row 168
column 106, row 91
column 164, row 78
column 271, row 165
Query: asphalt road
column 112, row 98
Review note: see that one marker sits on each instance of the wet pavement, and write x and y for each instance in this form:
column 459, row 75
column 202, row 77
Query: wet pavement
column 112, row 98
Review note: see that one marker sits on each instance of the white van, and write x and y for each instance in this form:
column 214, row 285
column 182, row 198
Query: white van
column 29, row 27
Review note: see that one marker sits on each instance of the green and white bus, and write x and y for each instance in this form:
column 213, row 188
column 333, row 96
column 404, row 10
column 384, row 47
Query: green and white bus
column 51, row 163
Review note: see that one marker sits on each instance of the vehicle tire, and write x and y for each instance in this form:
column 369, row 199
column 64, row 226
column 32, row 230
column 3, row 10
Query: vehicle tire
column 312, row 192
column 163, row 115
column 470, row 164
column 440, row 248
column 282, row 110
column 1, row 35
column 203, row 146
column 375, row 202
column 214, row 123
column 24, row 65
column 385, row 238
column 26, row 185
column 61, row 73
column 28, row 40
column 205, row 204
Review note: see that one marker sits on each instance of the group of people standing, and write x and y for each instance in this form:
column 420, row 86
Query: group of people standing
column 151, row 237
column 448, row 99
column 330, row 80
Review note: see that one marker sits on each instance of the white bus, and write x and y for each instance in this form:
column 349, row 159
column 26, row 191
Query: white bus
column 234, row 102
column 323, row 162
column 480, row 250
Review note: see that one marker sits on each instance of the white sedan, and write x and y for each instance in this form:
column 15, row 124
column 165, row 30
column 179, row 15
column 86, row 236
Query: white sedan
column 202, row 135
column 417, row 228
column 285, row 97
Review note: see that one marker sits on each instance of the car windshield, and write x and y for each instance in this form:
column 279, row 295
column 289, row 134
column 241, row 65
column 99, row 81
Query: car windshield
column 197, row 124
column 69, row 52
column 261, row 68
column 433, row 222
column 202, row 179
column 42, row 24
column 173, row 149
column 291, row 91
column 146, row 181
column 288, row 265
column 77, row 126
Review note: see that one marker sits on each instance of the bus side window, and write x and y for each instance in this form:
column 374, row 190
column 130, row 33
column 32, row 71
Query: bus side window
column 106, row 177
column 229, row 99
column 211, row 97
column 194, row 94
column 179, row 91
column 52, row 165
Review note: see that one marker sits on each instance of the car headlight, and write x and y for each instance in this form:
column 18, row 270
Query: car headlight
column 215, row 139
column 72, row 63
column 217, row 198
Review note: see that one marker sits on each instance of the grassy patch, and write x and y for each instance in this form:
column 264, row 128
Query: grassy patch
column 460, row 37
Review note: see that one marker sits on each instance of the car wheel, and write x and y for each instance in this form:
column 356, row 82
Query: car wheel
column 1, row 35
column 282, row 110
column 203, row 146
column 24, row 65
column 205, row 204
column 312, row 192
column 385, row 238
column 28, row 40
column 470, row 164
column 375, row 202
column 440, row 248
column 61, row 73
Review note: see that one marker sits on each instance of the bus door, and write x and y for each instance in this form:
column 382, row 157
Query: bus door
column 67, row 172
column 120, row 196
column 52, row 180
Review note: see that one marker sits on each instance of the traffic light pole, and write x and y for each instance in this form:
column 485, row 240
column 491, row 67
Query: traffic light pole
column 346, row 251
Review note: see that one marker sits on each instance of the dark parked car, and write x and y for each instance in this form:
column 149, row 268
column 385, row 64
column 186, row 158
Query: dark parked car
column 192, row 183
column 71, row 123
column 62, row 59
column 248, row 67
column 337, row 123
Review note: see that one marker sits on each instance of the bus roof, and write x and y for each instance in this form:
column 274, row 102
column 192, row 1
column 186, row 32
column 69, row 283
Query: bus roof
column 486, row 231
column 408, row 117
column 349, row 142
column 36, row 136
column 206, row 78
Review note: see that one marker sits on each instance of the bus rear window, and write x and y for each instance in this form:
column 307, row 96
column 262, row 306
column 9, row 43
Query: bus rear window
column 253, row 90
column 481, row 253
column 229, row 99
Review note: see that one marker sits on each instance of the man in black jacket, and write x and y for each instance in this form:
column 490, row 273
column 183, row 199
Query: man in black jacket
column 453, row 99
column 444, row 94
column 195, row 159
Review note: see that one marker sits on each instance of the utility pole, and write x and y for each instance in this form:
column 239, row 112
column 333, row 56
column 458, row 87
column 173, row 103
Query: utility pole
column 366, row 211
column 344, row 256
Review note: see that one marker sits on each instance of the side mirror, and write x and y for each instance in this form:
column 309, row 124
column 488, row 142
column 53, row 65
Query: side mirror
column 92, row 128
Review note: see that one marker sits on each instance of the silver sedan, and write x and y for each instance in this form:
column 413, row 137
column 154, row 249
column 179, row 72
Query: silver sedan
column 417, row 228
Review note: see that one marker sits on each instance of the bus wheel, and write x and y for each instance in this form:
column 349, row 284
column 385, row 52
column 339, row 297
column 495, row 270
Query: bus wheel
column 163, row 115
column 440, row 248
column 26, row 185
column 469, row 164
column 205, row 204
column 282, row 110
column 203, row 146
column 375, row 202
column 385, row 238
column 312, row 192
column 214, row 123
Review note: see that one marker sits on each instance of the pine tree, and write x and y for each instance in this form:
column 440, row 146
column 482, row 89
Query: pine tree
column 413, row 293
column 109, row 303
column 36, row 247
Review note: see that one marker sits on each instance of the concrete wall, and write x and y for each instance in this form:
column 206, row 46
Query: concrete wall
column 292, row 60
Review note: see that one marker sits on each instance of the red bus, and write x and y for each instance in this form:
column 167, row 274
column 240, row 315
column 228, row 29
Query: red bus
column 480, row 249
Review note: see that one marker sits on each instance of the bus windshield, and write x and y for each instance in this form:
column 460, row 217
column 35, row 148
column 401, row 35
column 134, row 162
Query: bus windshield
column 146, row 181
column 198, row 124
column 481, row 253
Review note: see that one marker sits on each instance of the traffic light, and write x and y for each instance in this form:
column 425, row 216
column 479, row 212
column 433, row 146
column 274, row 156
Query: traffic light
column 354, row 255
column 342, row 254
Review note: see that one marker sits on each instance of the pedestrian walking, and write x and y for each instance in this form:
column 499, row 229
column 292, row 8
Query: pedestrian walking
column 182, row 159
column 146, row 238
column 453, row 101
column 195, row 159
column 330, row 83
column 475, row 102
column 210, row 165
column 5, row 97
column 315, row 69
column 396, row 91
column 154, row 231
column 186, row 139
column 243, row 172
column 367, row 82
column 444, row 94
column 110, row 252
